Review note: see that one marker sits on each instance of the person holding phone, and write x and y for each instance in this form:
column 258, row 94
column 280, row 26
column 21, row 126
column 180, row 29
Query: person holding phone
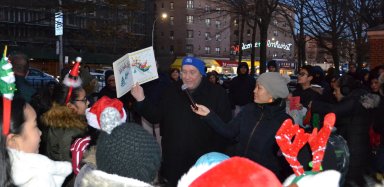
column 185, row 136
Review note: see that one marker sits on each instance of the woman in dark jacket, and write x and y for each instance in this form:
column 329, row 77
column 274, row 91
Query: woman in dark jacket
column 256, row 125
column 353, row 119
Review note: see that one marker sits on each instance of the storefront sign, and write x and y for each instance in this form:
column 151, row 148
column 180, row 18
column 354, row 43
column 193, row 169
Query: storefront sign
column 270, row 44
column 287, row 65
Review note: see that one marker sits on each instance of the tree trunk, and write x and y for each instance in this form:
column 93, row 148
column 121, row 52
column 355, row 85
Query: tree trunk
column 263, row 47
column 335, row 57
column 253, row 52
column 241, row 31
column 301, row 46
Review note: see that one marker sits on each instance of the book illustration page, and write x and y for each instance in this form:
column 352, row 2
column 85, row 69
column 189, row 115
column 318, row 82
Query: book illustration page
column 123, row 76
column 143, row 65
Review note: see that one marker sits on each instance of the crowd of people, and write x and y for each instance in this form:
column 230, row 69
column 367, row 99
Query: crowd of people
column 211, row 134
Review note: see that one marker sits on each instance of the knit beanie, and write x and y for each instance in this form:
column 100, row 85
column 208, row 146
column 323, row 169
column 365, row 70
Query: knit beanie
column 275, row 84
column 202, row 165
column 199, row 64
column 129, row 151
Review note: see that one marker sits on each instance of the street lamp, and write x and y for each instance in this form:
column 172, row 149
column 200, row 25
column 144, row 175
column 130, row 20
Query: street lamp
column 163, row 16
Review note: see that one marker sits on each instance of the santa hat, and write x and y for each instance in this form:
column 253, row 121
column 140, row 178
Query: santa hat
column 72, row 79
column 106, row 114
column 202, row 165
column 237, row 171
column 7, row 88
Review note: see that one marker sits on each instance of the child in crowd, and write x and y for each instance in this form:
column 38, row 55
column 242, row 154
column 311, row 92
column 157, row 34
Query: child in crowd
column 65, row 120
column 28, row 167
column 126, row 154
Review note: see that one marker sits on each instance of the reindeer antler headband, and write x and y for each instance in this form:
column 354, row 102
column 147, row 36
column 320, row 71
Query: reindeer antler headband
column 7, row 88
column 317, row 141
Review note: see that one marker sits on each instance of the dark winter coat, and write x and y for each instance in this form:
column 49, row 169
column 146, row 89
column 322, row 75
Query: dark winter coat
column 241, row 88
column 306, row 95
column 64, row 126
column 353, row 119
column 185, row 137
column 254, row 128
column 378, row 120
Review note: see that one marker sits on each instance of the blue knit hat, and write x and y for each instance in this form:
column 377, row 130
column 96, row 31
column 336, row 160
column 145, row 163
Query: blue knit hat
column 199, row 64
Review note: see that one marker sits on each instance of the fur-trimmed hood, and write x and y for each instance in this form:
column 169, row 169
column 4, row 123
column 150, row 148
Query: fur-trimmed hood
column 63, row 117
column 370, row 101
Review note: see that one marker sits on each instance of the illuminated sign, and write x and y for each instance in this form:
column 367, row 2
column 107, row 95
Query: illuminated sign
column 270, row 44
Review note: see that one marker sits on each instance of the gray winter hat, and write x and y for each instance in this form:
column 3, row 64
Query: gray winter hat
column 275, row 84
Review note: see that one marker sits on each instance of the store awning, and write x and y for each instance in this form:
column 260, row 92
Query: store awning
column 208, row 63
column 257, row 63
column 227, row 63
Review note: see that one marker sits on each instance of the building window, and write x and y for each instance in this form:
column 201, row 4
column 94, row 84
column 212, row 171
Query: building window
column 275, row 22
column 218, row 10
column 171, row 20
column 207, row 36
column 217, row 50
column 218, row 24
column 207, row 21
column 189, row 19
column 162, row 5
column 171, row 49
column 235, row 22
column 189, row 33
column 199, row 33
column 275, row 33
column 189, row 3
column 236, row 32
column 171, row 35
column 171, row 5
column 217, row 37
column 249, row 32
column 207, row 8
column 189, row 48
column 207, row 50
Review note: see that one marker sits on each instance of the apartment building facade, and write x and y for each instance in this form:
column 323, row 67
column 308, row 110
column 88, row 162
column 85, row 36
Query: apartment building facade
column 204, row 29
column 97, row 31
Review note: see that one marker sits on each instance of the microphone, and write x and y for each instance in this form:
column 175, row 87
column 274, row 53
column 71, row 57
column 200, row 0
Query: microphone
column 184, row 87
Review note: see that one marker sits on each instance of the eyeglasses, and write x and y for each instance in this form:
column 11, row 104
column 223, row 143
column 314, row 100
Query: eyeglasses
column 83, row 100
column 302, row 74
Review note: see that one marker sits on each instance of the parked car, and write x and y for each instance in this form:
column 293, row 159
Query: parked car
column 38, row 78
column 100, row 78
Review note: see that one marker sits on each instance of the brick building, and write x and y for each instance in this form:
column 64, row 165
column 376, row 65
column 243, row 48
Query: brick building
column 376, row 46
